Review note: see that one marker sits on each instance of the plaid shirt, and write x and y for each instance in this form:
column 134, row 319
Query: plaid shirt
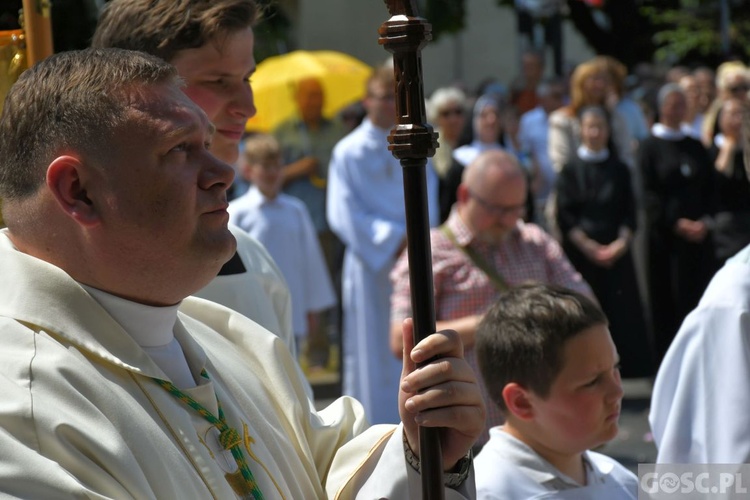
column 462, row 289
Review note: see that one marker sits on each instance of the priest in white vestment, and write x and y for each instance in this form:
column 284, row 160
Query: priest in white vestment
column 699, row 405
column 365, row 209
column 113, row 383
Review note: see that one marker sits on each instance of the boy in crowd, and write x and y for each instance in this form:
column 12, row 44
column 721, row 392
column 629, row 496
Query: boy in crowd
column 283, row 224
column 549, row 362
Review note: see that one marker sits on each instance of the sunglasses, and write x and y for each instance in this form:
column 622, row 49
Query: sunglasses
column 499, row 210
column 451, row 112
column 739, row 88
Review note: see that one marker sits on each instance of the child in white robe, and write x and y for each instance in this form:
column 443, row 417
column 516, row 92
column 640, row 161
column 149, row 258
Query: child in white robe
column 283, row 224
column 549, row 362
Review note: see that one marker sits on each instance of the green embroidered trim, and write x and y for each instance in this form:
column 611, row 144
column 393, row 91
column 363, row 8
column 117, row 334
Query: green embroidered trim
column 228, row 437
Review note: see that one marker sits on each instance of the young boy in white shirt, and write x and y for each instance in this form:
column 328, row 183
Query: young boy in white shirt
column 549, row 362
column 282, row 223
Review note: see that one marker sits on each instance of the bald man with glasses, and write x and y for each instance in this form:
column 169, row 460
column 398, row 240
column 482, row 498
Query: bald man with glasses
column 483, row 249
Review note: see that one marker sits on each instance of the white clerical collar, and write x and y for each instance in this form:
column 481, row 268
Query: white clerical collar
column 468, row 153
column 669, row 134
column 149, row 326
column 587, row 154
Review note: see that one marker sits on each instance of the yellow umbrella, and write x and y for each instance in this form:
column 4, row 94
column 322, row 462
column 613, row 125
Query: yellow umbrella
column 343, row 78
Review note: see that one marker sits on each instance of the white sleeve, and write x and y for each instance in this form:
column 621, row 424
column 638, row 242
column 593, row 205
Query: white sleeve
column 385, row 473
column 372, row 238
column 702, row 391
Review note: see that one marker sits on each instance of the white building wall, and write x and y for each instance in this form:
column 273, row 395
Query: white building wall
column 487, row 47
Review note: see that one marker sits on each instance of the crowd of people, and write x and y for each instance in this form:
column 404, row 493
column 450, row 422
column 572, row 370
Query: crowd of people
column 157, row 301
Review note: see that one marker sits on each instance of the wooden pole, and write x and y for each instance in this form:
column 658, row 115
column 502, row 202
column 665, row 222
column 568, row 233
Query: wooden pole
column 412, row 141
column 38, row 30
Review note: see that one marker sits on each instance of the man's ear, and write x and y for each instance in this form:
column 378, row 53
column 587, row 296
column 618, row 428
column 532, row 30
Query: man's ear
column 462, row 193
column 518, row 401
column 65, row 180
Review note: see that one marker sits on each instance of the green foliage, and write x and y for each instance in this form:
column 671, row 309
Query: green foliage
column 693, row 31
column 446, row 16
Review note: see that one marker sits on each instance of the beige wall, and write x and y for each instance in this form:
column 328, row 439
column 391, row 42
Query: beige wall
column 487, row 47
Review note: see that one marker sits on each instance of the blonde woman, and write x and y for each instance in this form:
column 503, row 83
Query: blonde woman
column 732, row 81
column 590, row 85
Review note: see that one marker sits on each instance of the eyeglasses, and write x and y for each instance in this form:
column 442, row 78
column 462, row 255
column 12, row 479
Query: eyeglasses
column 445, row 113
column 500, row 210
column 743, row 87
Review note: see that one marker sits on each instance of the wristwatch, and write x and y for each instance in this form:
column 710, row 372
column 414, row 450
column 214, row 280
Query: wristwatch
column 450, row 479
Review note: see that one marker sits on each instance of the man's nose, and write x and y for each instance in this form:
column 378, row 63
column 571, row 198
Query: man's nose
column 243, row 102
column 216, row 172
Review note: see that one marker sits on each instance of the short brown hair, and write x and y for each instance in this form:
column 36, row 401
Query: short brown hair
column 383, row 75
column 522, row 336
column 261, row 148
column 71, row 101
column 165, row 27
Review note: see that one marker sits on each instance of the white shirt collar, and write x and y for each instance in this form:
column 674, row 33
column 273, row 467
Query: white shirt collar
column 540, row 470
column 466, row 154
column 669, row 134
column 587, row 154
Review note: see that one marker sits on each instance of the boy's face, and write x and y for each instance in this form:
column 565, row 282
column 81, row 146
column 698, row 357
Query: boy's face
column 266, row 176
column 583, row 406
column 217, row 78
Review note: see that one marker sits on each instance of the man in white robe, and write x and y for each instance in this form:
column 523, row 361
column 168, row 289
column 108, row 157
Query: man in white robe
column 699, row 405
column 365, row 208
column 115, row 212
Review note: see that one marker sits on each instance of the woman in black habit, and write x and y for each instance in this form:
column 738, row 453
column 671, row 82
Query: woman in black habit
column 596, row 217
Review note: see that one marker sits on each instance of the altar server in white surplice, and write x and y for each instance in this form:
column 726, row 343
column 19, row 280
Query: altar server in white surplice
column 550, row 364
column 211, row 46
column 114, row 382
column 282, row 223
column 366, row 211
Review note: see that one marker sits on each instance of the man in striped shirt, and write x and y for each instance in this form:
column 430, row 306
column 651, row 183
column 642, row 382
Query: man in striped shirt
column 482, row 249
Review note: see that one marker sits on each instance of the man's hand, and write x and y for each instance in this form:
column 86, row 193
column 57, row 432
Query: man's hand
column 466, row 327
column 443, row 393
column 694, row 231
column 609, row 254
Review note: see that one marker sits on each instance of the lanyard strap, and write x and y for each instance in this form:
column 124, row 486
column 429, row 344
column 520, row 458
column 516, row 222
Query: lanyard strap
column 229, row 438
column 496, row 278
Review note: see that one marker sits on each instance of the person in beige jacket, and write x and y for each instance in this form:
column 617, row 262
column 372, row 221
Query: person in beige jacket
column 114, row 384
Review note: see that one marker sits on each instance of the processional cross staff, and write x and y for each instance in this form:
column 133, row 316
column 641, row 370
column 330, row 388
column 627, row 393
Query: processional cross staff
column 412, row 141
